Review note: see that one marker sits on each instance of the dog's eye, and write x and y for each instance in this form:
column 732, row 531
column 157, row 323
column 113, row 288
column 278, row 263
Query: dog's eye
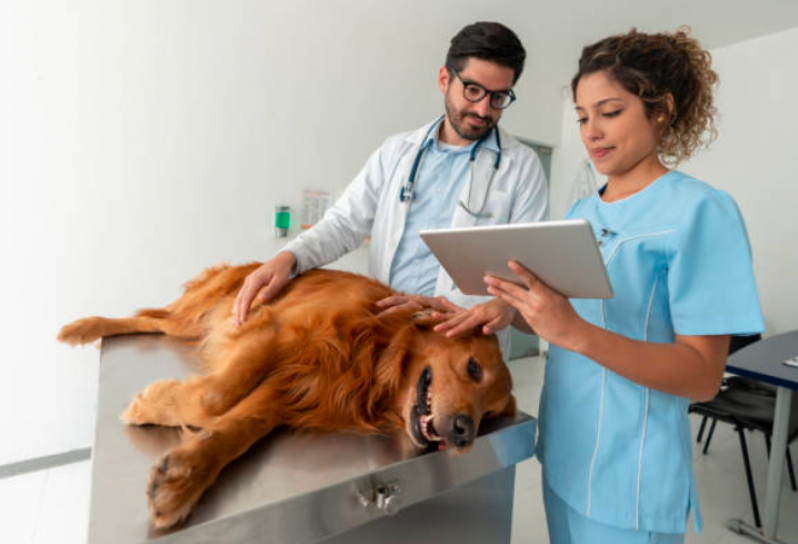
column 474, row 370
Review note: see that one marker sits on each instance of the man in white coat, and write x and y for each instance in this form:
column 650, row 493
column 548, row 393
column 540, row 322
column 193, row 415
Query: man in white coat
column 459, row 170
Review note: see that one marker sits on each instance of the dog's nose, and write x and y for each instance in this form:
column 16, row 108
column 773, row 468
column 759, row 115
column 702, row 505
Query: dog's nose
column 463, row 430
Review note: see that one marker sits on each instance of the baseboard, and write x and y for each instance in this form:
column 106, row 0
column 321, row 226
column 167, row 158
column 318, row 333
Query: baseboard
column 45, row 462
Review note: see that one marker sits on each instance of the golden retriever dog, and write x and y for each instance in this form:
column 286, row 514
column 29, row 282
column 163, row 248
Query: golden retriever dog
column 318, row 356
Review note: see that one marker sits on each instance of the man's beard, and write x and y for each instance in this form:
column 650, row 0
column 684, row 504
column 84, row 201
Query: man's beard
column 459, row 122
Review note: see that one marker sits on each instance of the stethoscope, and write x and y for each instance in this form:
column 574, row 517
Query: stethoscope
column 406, row 191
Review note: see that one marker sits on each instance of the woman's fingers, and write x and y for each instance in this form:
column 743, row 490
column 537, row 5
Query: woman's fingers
column 523, row 273
column 467, row 324
column 408, row 305
column 493, row 326
column 437, row 303
column 459, row 323
column 506, row 290
column 441, row 304
column 393, row 300
column 451, row 305
column 451, row 320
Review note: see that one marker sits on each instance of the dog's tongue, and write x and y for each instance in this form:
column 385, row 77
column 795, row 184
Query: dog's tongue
column 441, row 445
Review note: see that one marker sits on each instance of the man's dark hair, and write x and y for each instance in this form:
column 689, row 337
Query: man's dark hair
column 493, row 42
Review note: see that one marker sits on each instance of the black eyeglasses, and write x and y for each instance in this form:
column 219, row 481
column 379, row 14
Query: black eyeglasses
column 474, row 92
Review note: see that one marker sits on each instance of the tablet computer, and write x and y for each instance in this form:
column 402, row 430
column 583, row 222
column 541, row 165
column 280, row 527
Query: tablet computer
column 564, row 254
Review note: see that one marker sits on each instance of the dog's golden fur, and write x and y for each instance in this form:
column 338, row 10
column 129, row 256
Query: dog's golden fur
column 318, row 356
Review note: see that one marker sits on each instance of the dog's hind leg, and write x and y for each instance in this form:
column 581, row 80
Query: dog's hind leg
column 180, row 477
column 89, row 329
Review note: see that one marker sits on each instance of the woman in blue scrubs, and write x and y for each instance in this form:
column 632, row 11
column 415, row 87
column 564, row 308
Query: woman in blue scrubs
column 614, row 433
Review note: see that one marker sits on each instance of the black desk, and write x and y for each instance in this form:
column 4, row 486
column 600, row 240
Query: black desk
column 763, row 361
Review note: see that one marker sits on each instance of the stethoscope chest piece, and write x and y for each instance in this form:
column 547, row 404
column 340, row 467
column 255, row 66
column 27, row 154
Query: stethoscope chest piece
column 406, row 192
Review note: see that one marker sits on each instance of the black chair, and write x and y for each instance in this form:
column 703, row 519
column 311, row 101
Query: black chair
column 747, row 405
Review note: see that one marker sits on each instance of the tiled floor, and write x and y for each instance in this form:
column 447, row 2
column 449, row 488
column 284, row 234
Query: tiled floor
column 51, row 506
column 46, row 507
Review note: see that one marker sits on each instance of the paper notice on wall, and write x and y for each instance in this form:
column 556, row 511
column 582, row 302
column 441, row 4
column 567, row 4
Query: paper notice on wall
column 314, row 205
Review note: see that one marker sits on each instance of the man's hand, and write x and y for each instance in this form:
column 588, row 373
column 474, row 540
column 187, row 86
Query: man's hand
column 265, row 282
column 490, row 317
column 398, row 303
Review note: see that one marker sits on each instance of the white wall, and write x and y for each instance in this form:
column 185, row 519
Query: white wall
column 142, row 141
column 753, row 159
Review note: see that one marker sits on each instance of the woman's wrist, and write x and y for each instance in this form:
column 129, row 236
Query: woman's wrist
column 579, row 338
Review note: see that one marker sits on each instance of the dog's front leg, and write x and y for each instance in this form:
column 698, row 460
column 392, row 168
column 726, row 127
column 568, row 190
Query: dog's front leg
column 180, row 477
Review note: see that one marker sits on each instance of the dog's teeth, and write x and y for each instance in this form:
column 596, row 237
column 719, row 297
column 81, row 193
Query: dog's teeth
column 424, row 427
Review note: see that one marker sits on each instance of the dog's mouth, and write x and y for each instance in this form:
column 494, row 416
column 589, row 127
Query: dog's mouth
column 421, row 416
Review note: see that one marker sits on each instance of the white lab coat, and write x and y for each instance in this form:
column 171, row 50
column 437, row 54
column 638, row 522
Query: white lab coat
column 371, row 205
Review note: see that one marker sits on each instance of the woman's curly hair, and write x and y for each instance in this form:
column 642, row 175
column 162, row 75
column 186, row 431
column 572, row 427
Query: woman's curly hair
column 652, row 66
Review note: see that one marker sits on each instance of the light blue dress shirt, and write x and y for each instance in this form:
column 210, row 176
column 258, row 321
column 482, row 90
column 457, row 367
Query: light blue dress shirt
column 441, row 176
column 678, row 257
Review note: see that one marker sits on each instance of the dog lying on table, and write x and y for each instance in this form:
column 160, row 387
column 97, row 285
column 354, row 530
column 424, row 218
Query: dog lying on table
column 318, row 356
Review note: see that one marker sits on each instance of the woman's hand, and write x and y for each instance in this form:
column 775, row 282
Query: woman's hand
column 490, row 317
column 546, row 311
column 401, row 302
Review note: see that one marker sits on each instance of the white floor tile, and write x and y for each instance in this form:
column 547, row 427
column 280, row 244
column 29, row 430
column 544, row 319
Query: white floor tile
column 527, row 474
column 529, row 517
column 20, row 501
column 64, row 514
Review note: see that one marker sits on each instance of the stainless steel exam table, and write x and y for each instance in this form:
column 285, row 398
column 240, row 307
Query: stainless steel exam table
column 297, row 488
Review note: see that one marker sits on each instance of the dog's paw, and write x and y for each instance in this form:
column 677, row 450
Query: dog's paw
column 80, row 332
column 154, row 406
column 177, row 480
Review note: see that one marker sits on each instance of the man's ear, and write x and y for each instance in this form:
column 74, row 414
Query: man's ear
column 443, row 79
column 424, row 320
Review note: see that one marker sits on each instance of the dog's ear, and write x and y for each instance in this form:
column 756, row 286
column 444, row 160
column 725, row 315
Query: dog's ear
column 390, row 367
column 424, row 319
column 510, row 409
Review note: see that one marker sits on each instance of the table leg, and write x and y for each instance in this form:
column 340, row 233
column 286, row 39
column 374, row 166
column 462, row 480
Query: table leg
column 781, row 421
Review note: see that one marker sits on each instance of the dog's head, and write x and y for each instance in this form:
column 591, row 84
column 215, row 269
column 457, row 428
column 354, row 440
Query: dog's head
column 449, row 385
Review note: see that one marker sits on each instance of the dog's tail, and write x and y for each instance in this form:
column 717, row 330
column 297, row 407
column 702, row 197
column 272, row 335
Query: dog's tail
column 157, row 320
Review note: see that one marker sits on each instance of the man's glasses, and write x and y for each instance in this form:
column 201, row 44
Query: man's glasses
column 474, row 92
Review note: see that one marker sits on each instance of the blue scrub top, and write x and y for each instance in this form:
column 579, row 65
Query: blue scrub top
column 678, row 258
